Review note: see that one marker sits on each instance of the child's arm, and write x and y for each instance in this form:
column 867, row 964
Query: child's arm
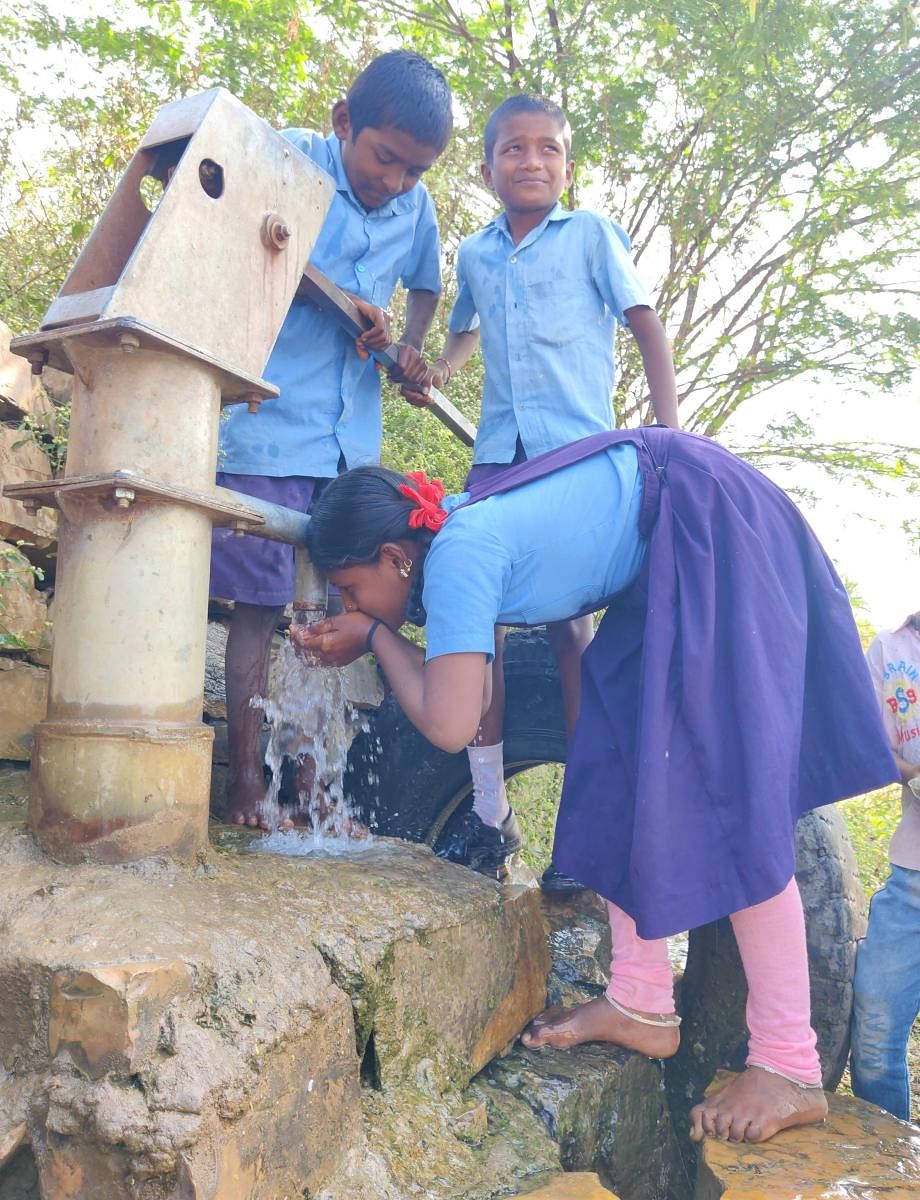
column 652, row 340
column 411, row 368
column 420, row 309
column 444, row 698
column 459, row 348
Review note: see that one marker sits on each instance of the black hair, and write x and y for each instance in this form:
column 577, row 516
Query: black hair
column 402, row 89
column 357, row 513
column 524, row 102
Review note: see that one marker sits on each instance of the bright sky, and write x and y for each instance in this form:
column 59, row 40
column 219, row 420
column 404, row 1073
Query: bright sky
column 859, row 527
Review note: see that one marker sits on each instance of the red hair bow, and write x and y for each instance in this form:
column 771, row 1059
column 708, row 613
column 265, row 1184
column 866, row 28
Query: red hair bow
column 428, row 496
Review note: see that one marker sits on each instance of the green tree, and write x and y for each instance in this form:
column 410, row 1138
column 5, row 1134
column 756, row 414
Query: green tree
column 763, row 157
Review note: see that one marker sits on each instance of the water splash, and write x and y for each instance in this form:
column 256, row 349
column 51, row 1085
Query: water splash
column 310, row 721
column 303, row 843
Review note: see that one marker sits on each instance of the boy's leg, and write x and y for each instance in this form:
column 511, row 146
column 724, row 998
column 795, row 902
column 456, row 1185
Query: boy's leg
column 568, row 641
column 638, row 1009
column 781, row 1086
column 246, row 669
column 258, row 576
column 887, row 994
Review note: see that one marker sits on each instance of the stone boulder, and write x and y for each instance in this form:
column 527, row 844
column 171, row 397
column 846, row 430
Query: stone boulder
column 23, row 703
column 171, row 1032
column 23, row 461
column 23, row 611
column 858, row 1151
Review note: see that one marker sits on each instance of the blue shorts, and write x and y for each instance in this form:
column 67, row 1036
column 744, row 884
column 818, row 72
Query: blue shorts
column 255, row 570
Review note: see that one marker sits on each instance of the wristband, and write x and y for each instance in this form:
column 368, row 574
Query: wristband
column 369, row 640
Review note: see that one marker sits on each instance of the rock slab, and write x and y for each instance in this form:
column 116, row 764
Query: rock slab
column 171, row 1032
column 578, row 1185
column 859, row 1151
column 605, row 1108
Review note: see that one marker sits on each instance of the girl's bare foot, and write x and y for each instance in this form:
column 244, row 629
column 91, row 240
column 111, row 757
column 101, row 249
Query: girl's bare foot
column 599, row 1021
column 754, row 1105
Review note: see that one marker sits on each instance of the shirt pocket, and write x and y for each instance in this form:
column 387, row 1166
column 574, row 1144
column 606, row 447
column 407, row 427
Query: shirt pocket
column 383, row 290
column 560, row 310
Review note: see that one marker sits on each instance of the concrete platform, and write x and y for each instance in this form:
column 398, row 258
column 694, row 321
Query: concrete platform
column 859, row 1152
column 204, row 1032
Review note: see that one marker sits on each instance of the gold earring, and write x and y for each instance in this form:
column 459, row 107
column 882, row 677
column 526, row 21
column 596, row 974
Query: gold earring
column 405, row 567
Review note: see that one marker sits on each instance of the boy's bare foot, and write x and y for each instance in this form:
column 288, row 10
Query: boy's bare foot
column 599, row 1021
column 754, row 1105
column 350, row 827
column 245, row 793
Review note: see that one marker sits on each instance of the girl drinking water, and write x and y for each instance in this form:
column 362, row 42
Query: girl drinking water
column 724, row 694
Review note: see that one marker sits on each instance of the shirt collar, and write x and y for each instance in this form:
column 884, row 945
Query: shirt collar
column 556, row 213
column 342, row 184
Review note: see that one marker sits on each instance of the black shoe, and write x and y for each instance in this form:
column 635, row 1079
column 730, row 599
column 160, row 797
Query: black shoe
column 483, row 847
column 557, row 884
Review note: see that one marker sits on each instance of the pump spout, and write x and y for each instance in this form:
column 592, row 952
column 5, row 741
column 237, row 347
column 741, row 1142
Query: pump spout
column 311, row 589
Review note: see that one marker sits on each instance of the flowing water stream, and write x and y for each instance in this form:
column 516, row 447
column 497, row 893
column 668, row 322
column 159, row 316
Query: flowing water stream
column 310, row 720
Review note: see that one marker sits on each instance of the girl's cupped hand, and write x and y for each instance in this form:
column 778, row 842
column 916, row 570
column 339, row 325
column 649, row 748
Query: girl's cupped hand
column 334, row 642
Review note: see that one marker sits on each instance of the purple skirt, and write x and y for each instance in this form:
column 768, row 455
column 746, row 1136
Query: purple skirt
column 255, row 570
column 725, row 693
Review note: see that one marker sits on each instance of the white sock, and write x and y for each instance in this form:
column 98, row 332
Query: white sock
column 490, row 801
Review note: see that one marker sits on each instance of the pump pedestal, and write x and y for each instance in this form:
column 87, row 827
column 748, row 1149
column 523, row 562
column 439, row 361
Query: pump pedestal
column 167, row 315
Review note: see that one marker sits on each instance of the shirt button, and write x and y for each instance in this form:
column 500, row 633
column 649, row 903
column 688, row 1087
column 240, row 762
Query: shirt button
column 513, row 258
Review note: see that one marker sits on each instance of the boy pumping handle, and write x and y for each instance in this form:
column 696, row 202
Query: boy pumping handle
column 380, row 230
column 678, row 806
column 542, row 290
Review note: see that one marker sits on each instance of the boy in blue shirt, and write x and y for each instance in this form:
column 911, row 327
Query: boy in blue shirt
column 542, row 290
column 381, row 229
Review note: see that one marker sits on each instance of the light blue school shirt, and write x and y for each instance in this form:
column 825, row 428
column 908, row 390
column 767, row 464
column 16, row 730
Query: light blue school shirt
column 330, row 400
column 547, row 311
column 537, row 553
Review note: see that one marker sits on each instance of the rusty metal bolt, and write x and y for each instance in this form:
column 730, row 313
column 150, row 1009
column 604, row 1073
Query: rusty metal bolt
column 39, row 360
column 124, row 497
column 253, row 400
column 129, row 343
column 276, row 233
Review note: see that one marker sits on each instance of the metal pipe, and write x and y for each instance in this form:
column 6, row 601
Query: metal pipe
column 281, row 524
column 311, row 590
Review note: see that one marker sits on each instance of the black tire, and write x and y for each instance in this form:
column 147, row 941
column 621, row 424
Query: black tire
column 407, row 788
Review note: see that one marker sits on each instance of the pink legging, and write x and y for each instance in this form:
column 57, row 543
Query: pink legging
column 771, row 940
